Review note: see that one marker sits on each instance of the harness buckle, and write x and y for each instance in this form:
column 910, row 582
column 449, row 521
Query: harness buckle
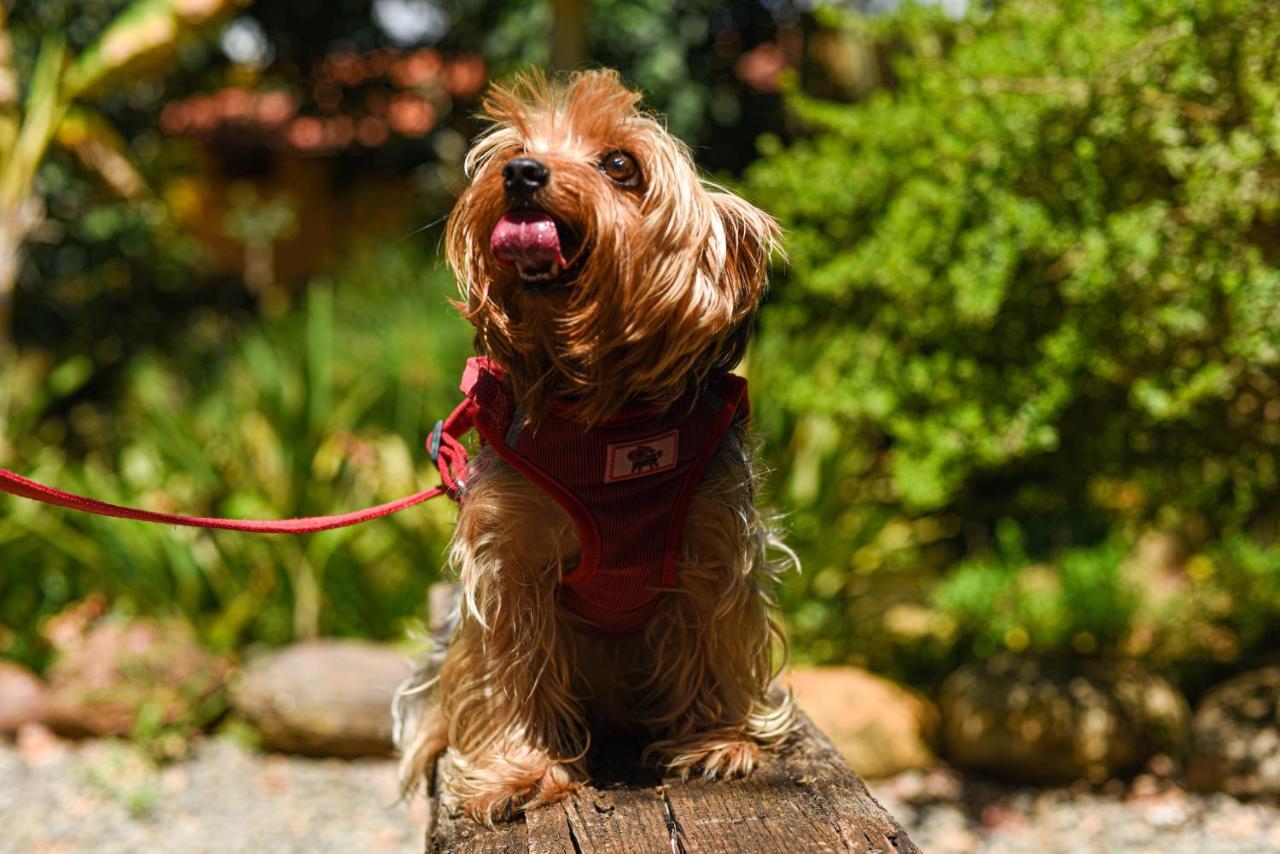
column 433, row 444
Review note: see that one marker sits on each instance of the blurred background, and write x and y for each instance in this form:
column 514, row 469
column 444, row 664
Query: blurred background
column 1018, row 381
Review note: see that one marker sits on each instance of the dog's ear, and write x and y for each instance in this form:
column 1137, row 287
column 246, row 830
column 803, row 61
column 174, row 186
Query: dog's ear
column 744, row 240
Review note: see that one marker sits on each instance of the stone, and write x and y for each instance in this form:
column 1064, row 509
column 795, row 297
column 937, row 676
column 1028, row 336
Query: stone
column 880, row 727
column 1235, row 737
column 323, row 697
column 22, row 697
column 37, row 745
column 123, row 672
column 1020, row 718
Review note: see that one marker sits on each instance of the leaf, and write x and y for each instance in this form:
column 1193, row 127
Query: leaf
column 44, row 108
column 8, row 91
column 145, row 33
column 319, row 365
column 102, row 150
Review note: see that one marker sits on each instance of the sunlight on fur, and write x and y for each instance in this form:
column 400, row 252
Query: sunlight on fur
column 661, row 277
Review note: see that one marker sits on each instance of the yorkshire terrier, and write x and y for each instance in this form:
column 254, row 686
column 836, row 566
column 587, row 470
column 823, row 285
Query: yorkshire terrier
column 612, row 563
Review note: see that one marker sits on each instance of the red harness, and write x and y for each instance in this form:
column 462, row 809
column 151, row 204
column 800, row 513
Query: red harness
column 626, row 483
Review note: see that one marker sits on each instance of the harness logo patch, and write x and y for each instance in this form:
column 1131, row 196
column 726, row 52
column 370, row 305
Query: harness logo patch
column 637, row 459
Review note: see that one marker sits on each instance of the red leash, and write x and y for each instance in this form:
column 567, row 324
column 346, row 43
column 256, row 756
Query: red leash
column 444, row 446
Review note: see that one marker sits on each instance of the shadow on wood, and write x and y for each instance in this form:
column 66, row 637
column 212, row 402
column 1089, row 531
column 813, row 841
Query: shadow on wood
column 802, row 799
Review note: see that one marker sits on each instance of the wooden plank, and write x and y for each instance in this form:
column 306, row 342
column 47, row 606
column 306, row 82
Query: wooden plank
column 452, row 831
column 842, row 799
column 803, row 799
column 620, row 821
column 548, row 831
column 767, row 811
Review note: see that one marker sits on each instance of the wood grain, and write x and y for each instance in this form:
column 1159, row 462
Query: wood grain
column 802, row 799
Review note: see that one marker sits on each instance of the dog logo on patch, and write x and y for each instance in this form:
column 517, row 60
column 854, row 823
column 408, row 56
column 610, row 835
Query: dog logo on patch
column 644, row 458
column 637, row 459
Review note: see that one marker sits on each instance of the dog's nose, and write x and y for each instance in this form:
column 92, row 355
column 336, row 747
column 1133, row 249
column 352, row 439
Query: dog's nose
column 523, row 176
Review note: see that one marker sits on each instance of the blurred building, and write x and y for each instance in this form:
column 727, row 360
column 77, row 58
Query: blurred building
column 285, row 179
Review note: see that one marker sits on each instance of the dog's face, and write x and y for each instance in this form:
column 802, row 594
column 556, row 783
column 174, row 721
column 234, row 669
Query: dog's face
column 594, row 262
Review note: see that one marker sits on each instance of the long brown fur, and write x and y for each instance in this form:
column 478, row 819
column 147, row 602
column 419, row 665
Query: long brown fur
column 665, row 291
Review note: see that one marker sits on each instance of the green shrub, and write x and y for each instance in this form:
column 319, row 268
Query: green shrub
column 1081, row 602
column 1247, row 574
column 321, row 411
column 1216, row 612
column 1222, row 615
column 1036, row 279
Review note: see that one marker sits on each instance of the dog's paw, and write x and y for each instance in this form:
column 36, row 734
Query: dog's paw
column 714, row 756
column 497, row 803
column 497, row 799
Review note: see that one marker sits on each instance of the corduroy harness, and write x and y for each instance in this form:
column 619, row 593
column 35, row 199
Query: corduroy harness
column 627, row 485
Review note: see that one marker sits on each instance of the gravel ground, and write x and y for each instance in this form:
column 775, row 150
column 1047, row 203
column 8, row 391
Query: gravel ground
column 947, row 814
column 57, row 796
column 101, row 797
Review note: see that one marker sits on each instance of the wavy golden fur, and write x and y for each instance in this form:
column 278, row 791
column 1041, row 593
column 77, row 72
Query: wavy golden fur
column 672, row 271
column 662, row 291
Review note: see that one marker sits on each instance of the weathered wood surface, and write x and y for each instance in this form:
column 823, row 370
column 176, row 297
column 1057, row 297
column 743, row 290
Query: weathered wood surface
column 803, row 799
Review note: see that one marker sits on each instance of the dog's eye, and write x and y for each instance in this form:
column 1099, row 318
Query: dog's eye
column 621, row 168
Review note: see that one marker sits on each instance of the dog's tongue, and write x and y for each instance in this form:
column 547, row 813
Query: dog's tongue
column 528, row 240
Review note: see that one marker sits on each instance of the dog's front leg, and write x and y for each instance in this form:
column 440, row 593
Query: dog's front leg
column 513, row 742
column 515, row 730
column 711, row 693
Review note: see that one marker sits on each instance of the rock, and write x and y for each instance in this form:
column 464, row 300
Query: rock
column 22, row 697
column 1235, row 737
column 880, row 727
column 324, row 697
column 1032, row 721
column 68, row 627
column 37, row 745
column 121, row 674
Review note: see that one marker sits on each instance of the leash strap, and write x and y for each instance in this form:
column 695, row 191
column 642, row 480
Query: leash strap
column 444, row 446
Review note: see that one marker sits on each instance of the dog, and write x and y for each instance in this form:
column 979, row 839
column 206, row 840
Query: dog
column 615, row 574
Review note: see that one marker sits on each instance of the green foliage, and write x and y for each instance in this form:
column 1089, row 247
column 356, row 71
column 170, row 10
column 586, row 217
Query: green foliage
column 1227, row 611
column 1035, row 280
column 144, row 32
column 98, row 268
column 681, row 55
column 116, row 280
column 320, row 411
column 1082, row 603
column 1216, row 611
